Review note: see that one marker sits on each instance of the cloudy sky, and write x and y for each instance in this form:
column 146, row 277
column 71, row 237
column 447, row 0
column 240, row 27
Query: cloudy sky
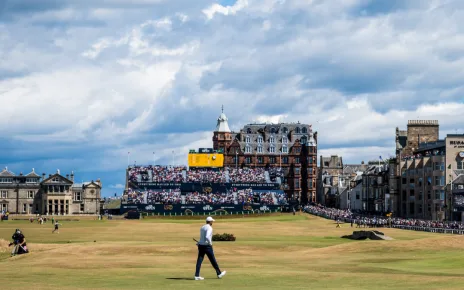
column 83, row 82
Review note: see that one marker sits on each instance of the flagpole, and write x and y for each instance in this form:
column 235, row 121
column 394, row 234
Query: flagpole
column 128, row 154
column 154, row 160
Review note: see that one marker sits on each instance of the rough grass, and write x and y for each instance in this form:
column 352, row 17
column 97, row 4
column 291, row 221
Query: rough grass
column 273, row 252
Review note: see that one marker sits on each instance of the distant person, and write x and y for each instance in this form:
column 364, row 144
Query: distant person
column 56, row 227
column 205, row 246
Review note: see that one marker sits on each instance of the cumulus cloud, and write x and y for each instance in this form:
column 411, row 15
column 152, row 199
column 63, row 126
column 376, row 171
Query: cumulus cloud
column 84, row 82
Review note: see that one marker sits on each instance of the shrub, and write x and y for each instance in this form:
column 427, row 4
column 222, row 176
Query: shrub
column 224, row 237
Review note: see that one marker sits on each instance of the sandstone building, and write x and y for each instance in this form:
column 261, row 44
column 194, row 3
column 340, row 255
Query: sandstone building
column 291, row 147
column 55, row 194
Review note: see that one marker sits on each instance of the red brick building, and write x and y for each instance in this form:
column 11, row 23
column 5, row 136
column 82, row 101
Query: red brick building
column 290, row 149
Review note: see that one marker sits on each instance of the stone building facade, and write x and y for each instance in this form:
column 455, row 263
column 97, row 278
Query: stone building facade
column 55, row 194
column 289, row 146
column 334, row 178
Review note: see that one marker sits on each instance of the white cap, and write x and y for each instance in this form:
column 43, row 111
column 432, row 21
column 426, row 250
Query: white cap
column 210, row 219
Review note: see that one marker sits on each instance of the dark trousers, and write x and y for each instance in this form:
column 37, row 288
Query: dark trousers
column 208, row 250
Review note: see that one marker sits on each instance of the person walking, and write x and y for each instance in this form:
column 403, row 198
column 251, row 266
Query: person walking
column 56, row 227
column 205, row 247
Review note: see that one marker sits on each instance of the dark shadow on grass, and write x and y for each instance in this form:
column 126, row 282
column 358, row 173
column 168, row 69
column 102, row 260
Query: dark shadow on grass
column 186, row 279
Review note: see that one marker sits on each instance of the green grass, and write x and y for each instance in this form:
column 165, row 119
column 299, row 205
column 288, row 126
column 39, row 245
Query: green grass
column 271, row 252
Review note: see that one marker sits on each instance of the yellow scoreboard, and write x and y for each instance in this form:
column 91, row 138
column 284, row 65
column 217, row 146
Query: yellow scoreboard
column 205, row 159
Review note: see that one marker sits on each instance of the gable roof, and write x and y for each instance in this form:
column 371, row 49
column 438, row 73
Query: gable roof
column 32, row 174
column 6, row 173
column 459, row 180
column 87, row 184
column 57, row 175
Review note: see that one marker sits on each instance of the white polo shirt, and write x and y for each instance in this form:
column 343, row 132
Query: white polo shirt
column 206, row 235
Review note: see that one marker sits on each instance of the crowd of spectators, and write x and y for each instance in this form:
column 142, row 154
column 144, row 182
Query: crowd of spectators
column 205, row 175
column 156, row 173
column 247, row 175
column 376, row 221
column 209, row 198
column 426, row 154
column 154, row 197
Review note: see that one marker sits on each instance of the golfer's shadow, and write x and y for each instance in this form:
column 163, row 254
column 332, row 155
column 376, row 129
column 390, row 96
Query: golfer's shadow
column 187, row 279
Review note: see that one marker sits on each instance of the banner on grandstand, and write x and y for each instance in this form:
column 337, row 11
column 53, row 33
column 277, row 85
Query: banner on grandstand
column 201, row 187
column 196, row 208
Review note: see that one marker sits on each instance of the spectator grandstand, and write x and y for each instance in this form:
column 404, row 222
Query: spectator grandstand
column 247, row 175
column 156, row 173
column 206, row 175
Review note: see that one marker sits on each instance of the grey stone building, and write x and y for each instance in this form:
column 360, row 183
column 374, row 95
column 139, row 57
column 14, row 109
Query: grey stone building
column 55, row 194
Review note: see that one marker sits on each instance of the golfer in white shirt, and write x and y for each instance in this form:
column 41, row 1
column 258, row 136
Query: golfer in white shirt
column 205, row 246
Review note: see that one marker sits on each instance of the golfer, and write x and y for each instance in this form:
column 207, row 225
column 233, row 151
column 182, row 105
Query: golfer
column 56, row 227
column 205, row 246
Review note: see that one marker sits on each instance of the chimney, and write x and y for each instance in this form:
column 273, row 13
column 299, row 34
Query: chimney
column 49, row 175
column 72, row 176
column 43, row 176
column 67, row 176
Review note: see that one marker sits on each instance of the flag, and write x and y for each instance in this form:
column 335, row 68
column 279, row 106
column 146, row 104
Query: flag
column 380, row 157
column 449, row 166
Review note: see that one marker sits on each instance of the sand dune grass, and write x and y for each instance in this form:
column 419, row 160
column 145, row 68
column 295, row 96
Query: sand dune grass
column 277, row 252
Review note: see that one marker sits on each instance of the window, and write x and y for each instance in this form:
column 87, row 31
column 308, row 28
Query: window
column 260, row 139
column 440, row 194
column 310, row 160
column 247, row 139
column 310, row 183
column 272, row 160
column 297, row 183
column 357, row 194
column 248, row 149
column 439, row 166
column 304, row 130
column 260, row 149
column 285, row 130
column 4, row 207
column 260, row 159
column 30, row 194
column 297, row 150
column 248, row 160
column 4, row 194
column 285, row 140
column 297, row 170
column 77, row 196
column 461, row 164
column 284, row 149
column 272, row 139
column 297, row 130
column 310, row 170
column 297, row 159
column 24, row 208
column 439, row 180
column 31, row 180
column 6, row 180
column 272, row 149
column 303, row 140
column 285, row 160
column 272, row 130
column 82, row 208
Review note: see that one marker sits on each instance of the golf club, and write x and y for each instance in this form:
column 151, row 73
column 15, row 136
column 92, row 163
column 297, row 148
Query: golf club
column 195, row 240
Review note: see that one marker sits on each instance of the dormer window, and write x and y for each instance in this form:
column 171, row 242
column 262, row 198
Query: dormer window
column 297, row 130
column 284, row 140
column 284, row 149
column 303, row 140
column 260, row 139
column 6, row 180
column 285, row 130
column 272, row 149
column 248, row 131
column 260, row 149
column 56, row 179
column 31, row 180
column 272, row 130
column 247, row 139
column 272, row 139
column 248, row 149
column 304, row 130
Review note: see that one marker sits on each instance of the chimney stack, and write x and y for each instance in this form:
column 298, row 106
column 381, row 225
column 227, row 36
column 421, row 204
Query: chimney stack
column 67, row 176
column 72, row 176
column 43, row 176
